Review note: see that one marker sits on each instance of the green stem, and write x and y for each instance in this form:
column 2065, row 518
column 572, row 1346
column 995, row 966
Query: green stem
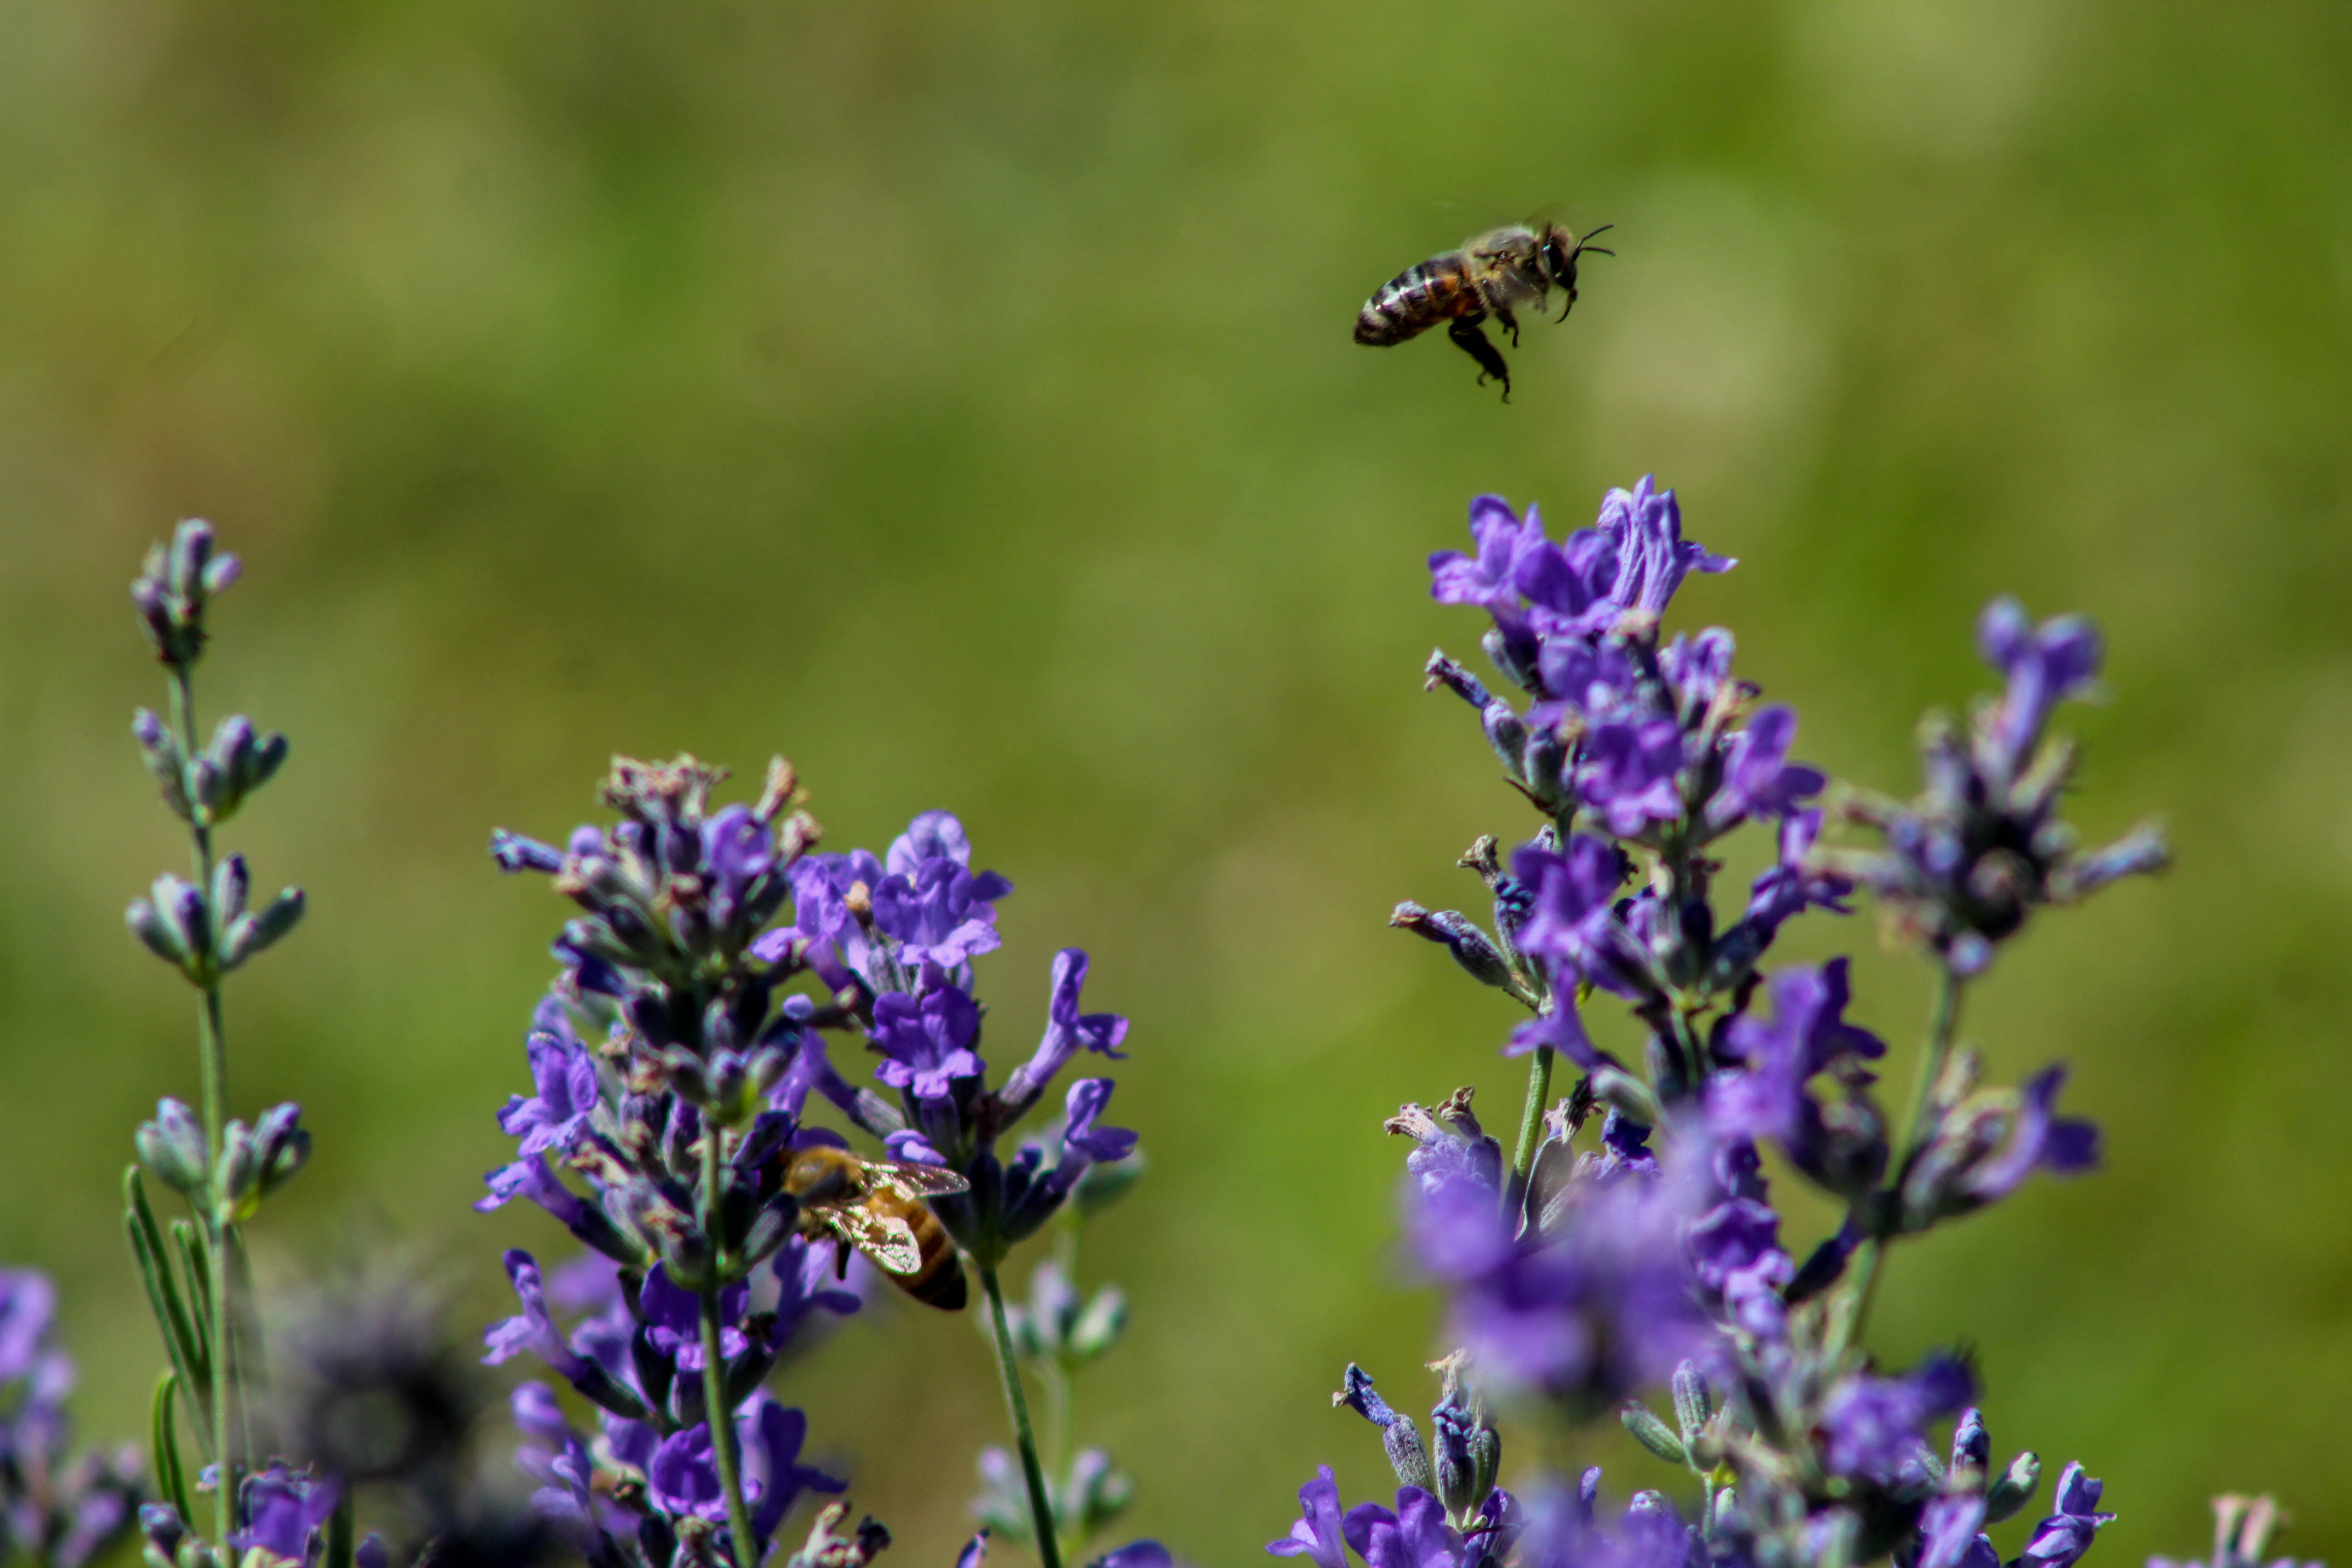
column 1523, row 1155
column 1855, row 1301
column 212, row 1061
column 714, row 1360
column 1041, row 1509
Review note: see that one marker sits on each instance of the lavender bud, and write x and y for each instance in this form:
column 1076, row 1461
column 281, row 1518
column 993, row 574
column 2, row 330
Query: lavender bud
column 513, row 852
column 150, row 927
column 160, row 748
column 221, row 572
column 1105, row 1182
column 1449, row 673
column 1694, row 1402
column 177, row 925
column 250, row 934
column 208, row 787
column 281, row 1146
column 1096, row 1493
column 1052, row 1307
column 1623, row 1092
column 1452, row 1434
column 2141, row 852
column 172, row 1147
column 190, row 552
column 1546, row 764
column 1399, row 1436
column 1473, row 948
column 1099, row 1326
column 231, row 884
column 2015, row 1488
column 1653, row 1434
column 1507, row 733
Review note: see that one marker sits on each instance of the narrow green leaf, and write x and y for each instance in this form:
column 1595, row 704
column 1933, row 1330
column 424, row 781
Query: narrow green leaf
column 171, row 1476
column 185, row 1349
column 196, row 1261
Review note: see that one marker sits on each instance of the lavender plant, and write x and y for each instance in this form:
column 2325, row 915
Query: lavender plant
column 685, row 1118
column 199, row 1284
column 673, row 1059
column 1580, row 1278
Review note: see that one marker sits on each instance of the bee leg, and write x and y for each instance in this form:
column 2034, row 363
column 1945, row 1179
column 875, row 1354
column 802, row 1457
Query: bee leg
column 1466, row 337
column 1510, row 323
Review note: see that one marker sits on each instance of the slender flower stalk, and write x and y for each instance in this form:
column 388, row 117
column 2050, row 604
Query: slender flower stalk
column 1852, row 1313
column 211, row 1053
column 719, row 1411
column 1041, row 1509
column 1523, row 1152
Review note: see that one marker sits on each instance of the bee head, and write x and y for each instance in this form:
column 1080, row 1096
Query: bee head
column 1559, row 251
column 822, row 1174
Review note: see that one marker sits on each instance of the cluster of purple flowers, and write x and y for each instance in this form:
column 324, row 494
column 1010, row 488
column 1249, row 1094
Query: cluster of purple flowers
column 682, row 1119
column 1652, row 1259
column 56, row 1509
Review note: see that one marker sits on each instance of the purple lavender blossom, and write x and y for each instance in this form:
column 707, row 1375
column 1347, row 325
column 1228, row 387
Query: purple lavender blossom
column 2061, row 1540
column 531, row 1330
column 2041, row 1139
column 1652, row 557
column 1085, row 1102
column 1067, row 1031
column 1317, row 1535
column 1629, row 772
column 283, row 1509
column 1490, row 578
column 1602, row 1308
column 1572, row 918
column 683, row 1478
column 1758, row 780
column 1873, row 1427
column 925, row 1042
column 1415, row 1535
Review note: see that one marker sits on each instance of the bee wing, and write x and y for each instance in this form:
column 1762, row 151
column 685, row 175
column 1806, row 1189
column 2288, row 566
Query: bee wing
column 918, row 1181
column 890, row 1241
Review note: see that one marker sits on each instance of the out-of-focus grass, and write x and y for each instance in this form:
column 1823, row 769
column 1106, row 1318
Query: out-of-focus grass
column 960, row 399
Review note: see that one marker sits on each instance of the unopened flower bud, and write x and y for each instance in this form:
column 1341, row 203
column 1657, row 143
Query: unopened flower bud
column 1096, row 1493
column 1694, row 1402
column 1653, row 1434
column 160, row 749
column 173, row 921
column 1099, row 1326
column 148, row 924
column 250, row 934
column 1399, row 1437
column 2015, row 1488
column 1105, row 1182
column 1441, row 670
column 1473, row 948
column 231, row 884
column 172, row 1147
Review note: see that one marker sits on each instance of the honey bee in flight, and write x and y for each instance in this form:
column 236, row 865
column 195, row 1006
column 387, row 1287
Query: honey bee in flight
column 877, row 1206
column 1491, row 274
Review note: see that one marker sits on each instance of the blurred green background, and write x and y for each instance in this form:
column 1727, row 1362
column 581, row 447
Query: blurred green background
column 959, row 399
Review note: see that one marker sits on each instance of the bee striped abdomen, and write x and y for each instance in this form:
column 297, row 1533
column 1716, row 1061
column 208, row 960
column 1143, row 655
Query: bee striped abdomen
column 939, row 1281
column 1418, row 299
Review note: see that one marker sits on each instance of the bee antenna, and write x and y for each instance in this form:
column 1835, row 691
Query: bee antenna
column 1594, row 250
column 1585, row 245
